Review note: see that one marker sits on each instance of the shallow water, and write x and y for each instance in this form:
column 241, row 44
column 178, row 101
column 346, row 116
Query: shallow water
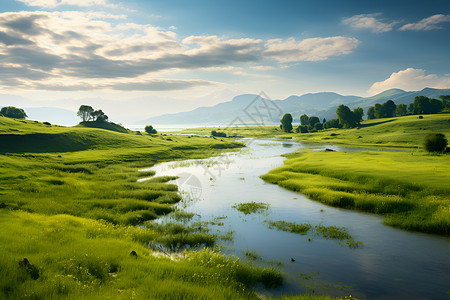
column 393, row 264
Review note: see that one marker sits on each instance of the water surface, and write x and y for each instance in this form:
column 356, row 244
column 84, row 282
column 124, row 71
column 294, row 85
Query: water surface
column 393, row 264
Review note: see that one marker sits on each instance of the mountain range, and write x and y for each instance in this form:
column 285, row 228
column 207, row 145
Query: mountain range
column 322, row 105
column 242, row 109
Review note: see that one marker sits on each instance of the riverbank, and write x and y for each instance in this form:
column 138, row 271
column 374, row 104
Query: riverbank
column 411, row 191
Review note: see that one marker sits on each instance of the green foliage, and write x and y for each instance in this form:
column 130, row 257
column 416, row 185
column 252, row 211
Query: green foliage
column 13, row 112
column 301, row 129
column 401, row 110
column 371, row 113
column 85, row 112
column 435, row 142
column 150, row 130
column 318, row 126
column 218, row 134
column 313, row 120
column 304, row 120
column 346, row 117
column 286, row 123
column 425, row 105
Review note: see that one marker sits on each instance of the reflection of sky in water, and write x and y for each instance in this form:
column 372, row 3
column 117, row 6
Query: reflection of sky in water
column 393, row 263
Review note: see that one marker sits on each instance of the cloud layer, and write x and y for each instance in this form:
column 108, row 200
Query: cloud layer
column 368, row 21
column 95, row 50
column 410, row 80
column 429, row 23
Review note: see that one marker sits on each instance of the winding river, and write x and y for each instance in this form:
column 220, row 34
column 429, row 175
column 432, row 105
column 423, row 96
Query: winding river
column 392, row 264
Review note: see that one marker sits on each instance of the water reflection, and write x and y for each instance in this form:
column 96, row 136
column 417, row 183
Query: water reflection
column 393, row 264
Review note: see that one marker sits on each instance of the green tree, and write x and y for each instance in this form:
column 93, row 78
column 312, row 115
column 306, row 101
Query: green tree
column 302, row 129
column 333, row 123
column 345, row 116
column 99, row 116
column 13, row 112
column 371, row 113
column 85, row 112
column 435, row 106
column 313, row 120
column 421, row 105
column 150, row 130
column 400, row 110
column 358, row 114
column 286, row 123
column 435, row 142
column 318, row 126
column 445, row 101
column 388, row 109
column 304, row 120
column 378, row 111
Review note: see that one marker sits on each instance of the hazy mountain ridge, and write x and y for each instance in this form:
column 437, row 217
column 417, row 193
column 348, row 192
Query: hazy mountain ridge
column 321, row 104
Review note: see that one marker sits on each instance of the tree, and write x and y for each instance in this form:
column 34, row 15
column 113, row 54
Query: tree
column 400, row 110
column 286, row 122
column 345, row 116
column 304, row 120
column 313, row 120
column 435, row 106
column 150, row 130
column 302, row 129
column 435, row 142
column 99, row 116
column 324, row 121
column 358, row 114
column 445, row 101
column 333, row 123
column 371, row 113
column 13, row 112
column 421, row 105
column 378, row 110
column 388, row 109
column 318, row 126
column 85, row 112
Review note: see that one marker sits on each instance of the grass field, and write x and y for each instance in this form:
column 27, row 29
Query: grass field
column 412, row 191
column 69, row 203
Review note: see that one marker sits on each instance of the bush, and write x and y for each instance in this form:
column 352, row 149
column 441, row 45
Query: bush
column 302, row 129
column 435, row 142
column 13, row 112
column 150, row 130
column 218, row 134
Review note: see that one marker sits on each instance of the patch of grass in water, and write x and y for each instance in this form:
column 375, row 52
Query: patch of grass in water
column 251, row 207
column 328, row 232
column 252, row 254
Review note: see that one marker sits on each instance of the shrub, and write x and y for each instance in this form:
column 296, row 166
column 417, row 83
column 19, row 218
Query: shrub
column 302, row 129
column 150, row 130
column 435, row 142
column 218, row 134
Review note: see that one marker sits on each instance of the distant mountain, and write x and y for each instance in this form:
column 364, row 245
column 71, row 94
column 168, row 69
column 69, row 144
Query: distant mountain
column 53, row 115
column 322, row 104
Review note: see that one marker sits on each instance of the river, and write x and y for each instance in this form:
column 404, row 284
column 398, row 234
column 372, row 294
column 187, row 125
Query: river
column 392, row 264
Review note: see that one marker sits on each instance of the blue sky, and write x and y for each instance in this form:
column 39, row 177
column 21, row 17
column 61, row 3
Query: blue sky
column 176, row 55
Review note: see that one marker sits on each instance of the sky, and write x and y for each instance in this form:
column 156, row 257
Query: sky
column 140, row 58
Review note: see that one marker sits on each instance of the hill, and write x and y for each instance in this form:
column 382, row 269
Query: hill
column 322, row 104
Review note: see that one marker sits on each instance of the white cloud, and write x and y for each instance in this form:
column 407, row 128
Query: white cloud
column 410, row 80
column 262, row 68
column 429, row 23
column 368, row 21
column 56, row 3
column 91, row 50
column 313, row 49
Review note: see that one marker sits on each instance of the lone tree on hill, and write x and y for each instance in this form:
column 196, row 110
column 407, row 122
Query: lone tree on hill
column 286, row 123
column 13, row 112
column 150, row 130
column 345, row 116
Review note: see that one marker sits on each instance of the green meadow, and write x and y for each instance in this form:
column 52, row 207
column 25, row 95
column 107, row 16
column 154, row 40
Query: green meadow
column 70, row 203
column 411, row 191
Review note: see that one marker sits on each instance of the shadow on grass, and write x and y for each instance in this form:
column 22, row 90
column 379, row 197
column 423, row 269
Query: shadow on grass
column 376, row 123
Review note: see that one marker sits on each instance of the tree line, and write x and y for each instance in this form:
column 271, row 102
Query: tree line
column 347, row 118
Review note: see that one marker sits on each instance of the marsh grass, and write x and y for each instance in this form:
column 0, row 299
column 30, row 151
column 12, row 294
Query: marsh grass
column 328, row 232
column 251, row 207
column 411, row 191
column 252, row 254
